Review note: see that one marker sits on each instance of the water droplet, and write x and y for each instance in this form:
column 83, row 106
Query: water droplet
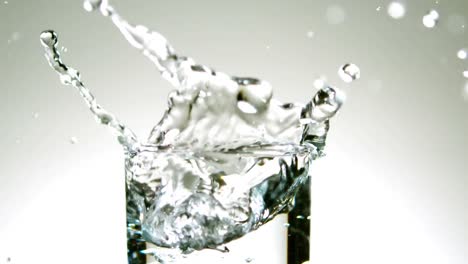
column 248, row 260
column 5, row 2
column 349, row 72
column 308, row 217
column 300, row 217
column 462, row 54
column 430, row 19
column 286, row 225
column 73, row 140
column 465, row 74
column 35, row 115
column 90, row 5
column 63, row 49
column 310, row 34
column 335, row 15
column 378, row 8
column 396, row 10
column 48, row 38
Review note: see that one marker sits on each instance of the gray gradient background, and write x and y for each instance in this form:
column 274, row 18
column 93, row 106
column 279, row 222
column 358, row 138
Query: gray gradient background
column 391, row 189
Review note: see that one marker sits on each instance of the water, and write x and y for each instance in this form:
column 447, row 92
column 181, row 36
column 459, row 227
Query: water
column 225, row 158
column 431, row 19
column 396, row 10
column 349, row 72
column 462, row 54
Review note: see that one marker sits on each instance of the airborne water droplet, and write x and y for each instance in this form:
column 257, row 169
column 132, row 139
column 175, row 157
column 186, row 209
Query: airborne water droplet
column 73, row 140
column 48, row 38
column 430, row 19
column 286, row 225
column 396, row 10
column 378, row 8
column 462, row 54
column 349, row 72
column 310, row 34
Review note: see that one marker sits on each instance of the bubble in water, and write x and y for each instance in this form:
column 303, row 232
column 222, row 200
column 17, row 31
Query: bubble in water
column 310, row 34
column 335, row 15
column 73, row 140
column 396, row 10
column 64, row 49
column 462, row 54
column 349, row 72
column 430, row 19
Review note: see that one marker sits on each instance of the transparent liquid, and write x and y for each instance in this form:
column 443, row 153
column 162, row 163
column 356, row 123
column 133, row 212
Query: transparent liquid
column 225, row 158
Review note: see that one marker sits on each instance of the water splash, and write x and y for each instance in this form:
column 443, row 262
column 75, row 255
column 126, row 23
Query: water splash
column 225, row 158
column 70, row 76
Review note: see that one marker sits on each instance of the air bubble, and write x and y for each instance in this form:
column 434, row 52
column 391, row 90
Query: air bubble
column 431, row 19
column 396, row 10
column 349, row 72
